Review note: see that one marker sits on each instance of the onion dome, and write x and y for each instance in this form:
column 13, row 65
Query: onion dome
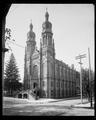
column 31, row 34
column 46, row 26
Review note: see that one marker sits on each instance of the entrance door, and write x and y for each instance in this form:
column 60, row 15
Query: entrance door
column 34, row 85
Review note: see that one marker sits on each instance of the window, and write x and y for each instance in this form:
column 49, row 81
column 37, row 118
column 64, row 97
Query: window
column 49, row 41
column 44, row 40
column 57, row 84
column 35, row 72
column 25, row 96
column 62, row 84
column 52, row 84
column 34, row 85
column 57, row 72
column 43, row 83
column 19, row 95
column 52, row 92
column 51, row 69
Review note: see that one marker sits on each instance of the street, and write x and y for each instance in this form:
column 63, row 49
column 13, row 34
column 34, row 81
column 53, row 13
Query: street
column 45, row 107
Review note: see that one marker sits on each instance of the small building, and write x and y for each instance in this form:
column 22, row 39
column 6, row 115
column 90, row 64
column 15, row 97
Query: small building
column 26, row 95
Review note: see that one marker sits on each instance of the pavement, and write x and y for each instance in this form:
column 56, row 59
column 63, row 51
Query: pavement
column 84, row 105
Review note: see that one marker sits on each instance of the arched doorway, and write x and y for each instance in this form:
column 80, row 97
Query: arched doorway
column 35, row 81
column 25, row 95
column 35, row 78
column 34, row 85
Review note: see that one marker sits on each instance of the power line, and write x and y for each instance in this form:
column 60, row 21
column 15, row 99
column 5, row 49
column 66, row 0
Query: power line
column 16, row 44
column 9, row 47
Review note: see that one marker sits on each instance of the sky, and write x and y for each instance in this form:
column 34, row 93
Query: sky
column 72, row 27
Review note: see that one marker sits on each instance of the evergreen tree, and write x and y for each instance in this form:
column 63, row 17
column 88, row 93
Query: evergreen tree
column 12, row 77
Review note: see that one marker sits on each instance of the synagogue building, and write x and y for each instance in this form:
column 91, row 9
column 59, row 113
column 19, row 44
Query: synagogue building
column 53, row 78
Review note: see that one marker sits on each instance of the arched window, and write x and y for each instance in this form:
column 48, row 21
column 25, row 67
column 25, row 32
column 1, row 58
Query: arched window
column 35, row 72
column 25, row 96
column 57, row 71
column 49, row 41
column 44, row 70
column 50, row 69
column 19, row 95
column 44, row 40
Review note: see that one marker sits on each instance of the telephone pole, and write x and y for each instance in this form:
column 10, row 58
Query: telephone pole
column 90, row 78
column 40, row 68
column 80, row 57
column 30, row 74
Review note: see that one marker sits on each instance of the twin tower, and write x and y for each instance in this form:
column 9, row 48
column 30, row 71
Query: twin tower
column 39, row 68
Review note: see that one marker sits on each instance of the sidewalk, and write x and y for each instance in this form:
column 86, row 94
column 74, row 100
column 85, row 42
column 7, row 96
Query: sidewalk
column 84, row 105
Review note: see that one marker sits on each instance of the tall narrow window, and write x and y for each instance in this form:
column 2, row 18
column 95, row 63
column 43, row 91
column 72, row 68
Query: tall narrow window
column 35, row 72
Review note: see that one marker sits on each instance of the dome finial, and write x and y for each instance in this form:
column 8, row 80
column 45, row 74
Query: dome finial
column 46, row 9
column 31, row 20
column 31, row 26
column 46, row 15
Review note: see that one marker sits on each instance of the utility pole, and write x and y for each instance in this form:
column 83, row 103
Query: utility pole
column 90, row 78
column 80, row 57
column 40, row 94
column 30, row 74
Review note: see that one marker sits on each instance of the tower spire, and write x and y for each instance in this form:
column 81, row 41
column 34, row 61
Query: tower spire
column 46, row 15
column 31, row 26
